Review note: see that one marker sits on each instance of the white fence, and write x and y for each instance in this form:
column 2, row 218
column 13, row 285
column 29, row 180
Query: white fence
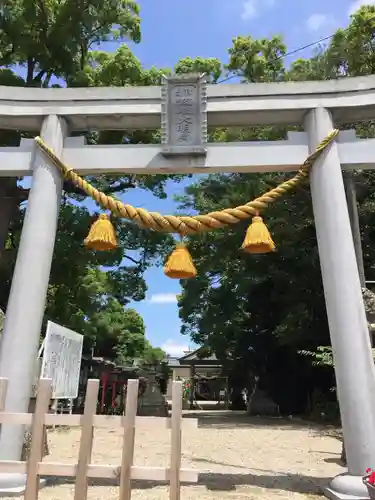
column 83, row 469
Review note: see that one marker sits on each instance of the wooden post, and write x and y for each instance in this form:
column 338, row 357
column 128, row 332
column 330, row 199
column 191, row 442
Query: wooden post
column 83, row 469
column 85, row 445
column 192, row 386
column 37, row 433
column 174, row 471
column 128, row 439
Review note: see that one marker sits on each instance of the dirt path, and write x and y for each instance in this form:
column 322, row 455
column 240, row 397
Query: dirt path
column 240, row 457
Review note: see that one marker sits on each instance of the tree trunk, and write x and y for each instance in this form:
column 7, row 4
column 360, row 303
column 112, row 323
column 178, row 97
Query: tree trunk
column 237, row 401
column 8, row 206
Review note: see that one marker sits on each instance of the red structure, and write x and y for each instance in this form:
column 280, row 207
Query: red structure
column 113, row 380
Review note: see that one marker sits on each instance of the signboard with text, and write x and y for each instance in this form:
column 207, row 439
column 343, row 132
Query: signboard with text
column 62, row 360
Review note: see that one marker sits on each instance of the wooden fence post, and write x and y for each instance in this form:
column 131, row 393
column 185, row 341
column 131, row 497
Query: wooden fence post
column 36, row 447
column 83, row 470
column 85, row 445
column 174, row 479
column 128, row 439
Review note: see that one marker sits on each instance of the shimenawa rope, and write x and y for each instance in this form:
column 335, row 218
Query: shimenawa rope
column 187, row 224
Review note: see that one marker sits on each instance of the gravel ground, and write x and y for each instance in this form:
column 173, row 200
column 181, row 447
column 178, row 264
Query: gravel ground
column 240, row 457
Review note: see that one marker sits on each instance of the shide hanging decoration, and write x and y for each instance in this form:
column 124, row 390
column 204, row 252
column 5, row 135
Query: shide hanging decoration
column 180, row 264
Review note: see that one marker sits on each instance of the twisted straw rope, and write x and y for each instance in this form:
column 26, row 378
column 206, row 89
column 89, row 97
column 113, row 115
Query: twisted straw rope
column 184, row 225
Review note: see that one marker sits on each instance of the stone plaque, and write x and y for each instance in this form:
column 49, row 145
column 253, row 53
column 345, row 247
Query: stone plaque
column 184, row 115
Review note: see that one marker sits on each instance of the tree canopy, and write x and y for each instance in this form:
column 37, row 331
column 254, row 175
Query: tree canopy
column 55, row 44
column 260, row 313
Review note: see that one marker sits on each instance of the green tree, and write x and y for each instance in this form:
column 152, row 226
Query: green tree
column 119, row 333
column 52, row 40
column 258, row 312
column 82, row 282
column 152, row 356
column 212, row 67
column 257, row 60
column 351, row 52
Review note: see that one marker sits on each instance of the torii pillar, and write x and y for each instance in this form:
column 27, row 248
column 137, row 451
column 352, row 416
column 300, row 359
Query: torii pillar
column 26, row 304
column 354, row 365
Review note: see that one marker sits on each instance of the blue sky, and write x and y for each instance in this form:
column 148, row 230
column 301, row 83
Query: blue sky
column 172, row 30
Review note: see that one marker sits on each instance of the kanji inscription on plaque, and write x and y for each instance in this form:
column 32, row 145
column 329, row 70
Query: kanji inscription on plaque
column 184, row 116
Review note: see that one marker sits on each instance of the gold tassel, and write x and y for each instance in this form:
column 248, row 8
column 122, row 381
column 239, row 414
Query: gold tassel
column 102, row 234
column 180, row 265
column 258, row 238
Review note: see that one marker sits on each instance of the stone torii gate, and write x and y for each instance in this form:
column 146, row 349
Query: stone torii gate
column 56, row 113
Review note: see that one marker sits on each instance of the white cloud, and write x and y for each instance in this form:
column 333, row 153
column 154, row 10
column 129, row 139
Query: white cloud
column 251, row 8
column 174, row 348
column 317, row 21
column 358, row 4
column 163, row 298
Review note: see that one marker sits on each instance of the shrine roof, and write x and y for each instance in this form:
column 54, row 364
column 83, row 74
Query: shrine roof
column 190, row 356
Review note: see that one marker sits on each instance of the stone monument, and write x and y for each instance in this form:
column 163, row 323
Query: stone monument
column 152, row 402
column 260, row 404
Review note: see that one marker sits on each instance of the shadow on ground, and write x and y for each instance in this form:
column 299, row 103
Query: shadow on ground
column 277, row 481
column 229, row 482
column 236, row 419
column 259, row 478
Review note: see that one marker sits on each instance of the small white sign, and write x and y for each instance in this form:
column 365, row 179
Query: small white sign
column 62, row 360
